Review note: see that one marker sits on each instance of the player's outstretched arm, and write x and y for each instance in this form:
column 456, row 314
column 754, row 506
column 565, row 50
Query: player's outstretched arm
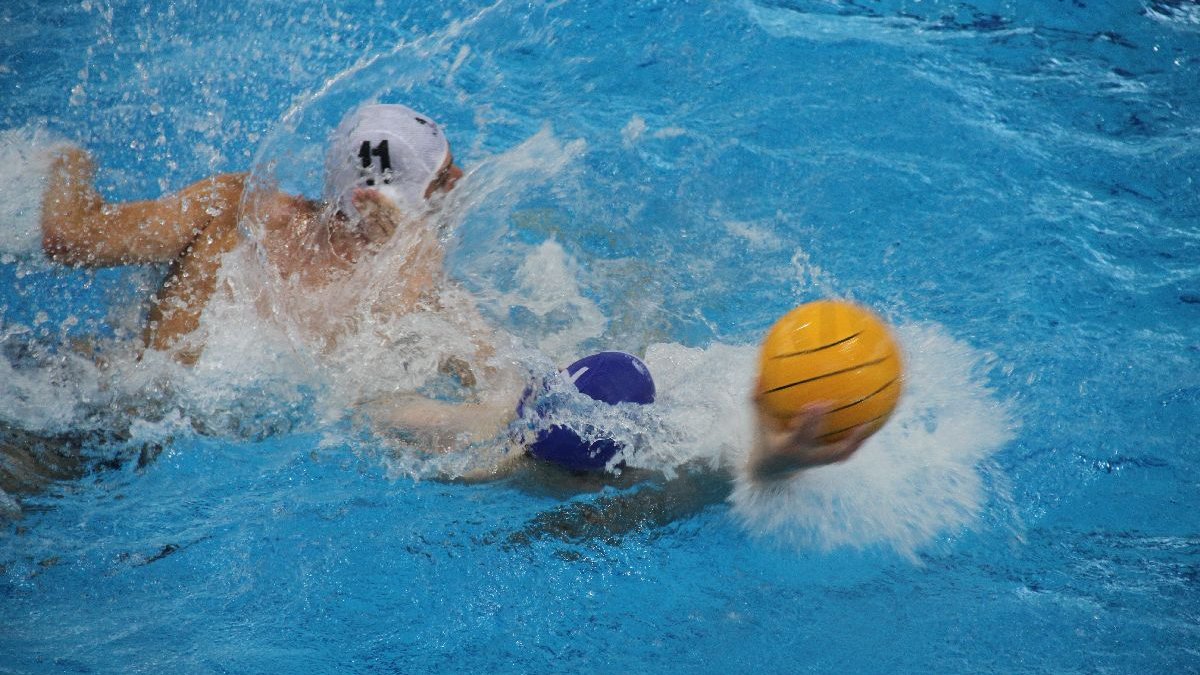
column 656, row 502
column 441, row 426
column 80, row 228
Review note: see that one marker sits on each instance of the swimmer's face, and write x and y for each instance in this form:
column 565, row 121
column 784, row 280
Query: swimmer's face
column 380, row 213
column 447, row 177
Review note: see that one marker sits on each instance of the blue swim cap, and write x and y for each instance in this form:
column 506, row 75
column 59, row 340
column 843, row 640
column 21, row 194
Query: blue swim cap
column 609, row 377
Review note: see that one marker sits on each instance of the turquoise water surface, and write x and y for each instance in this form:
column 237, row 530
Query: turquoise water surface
column 1012, row 185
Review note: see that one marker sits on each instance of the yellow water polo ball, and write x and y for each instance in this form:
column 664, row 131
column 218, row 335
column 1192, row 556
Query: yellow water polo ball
column 835, row 353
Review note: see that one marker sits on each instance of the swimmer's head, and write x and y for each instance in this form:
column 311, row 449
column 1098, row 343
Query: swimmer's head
column 391, row 148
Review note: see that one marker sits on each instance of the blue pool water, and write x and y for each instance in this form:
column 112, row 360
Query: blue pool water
column 1014, row 186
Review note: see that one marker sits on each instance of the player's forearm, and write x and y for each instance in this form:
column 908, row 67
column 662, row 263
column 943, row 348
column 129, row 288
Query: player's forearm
column 764, row 467
column 80, row 228
column 442, row 424
column 779, row 455
column 770, row 465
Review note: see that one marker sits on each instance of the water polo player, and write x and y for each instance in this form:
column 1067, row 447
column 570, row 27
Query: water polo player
column 383, row 165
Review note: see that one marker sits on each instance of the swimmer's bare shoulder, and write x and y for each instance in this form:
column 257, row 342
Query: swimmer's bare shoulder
column 192, row 279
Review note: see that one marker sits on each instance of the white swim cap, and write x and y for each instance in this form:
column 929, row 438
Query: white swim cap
column 392, row 148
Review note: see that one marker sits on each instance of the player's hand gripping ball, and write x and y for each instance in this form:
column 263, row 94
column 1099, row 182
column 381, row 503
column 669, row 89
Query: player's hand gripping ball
column 835, row 354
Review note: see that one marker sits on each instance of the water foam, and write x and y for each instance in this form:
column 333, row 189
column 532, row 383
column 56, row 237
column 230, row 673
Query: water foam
column 25, row 156
column 45, row 390
column 929, row 464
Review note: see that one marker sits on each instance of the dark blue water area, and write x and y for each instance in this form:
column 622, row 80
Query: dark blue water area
column 1021, row 176
column 315, row 561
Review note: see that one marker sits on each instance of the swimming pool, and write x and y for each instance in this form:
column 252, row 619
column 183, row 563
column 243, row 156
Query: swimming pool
column 1013, row 187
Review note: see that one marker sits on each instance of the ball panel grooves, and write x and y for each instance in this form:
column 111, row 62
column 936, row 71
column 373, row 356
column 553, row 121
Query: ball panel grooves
column 877, row 418
column 797, row 383
column 868, row 397
column 817, row 349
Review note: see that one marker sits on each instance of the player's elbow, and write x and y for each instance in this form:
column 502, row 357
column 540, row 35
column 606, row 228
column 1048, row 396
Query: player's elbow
column 60, row 246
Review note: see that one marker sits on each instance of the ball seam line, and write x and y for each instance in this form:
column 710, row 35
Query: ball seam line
column 868, row 396
column 821, row 377
column 855, row 426
column 817, row 349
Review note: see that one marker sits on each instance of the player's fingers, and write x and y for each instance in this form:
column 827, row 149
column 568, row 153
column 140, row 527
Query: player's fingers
column 850, row 445
column 809, row 422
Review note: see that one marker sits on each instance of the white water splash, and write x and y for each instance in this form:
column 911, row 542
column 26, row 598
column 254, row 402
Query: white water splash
column 46, row 392
column 25, row 156
column 547, row 286
column 925, row 475
column 342, row 339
